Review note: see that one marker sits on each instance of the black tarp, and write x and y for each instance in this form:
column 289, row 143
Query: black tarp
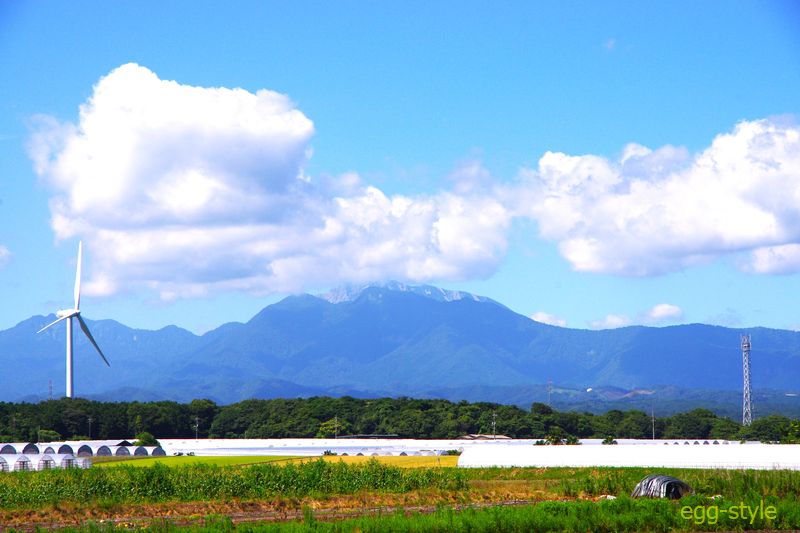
column 661, row 486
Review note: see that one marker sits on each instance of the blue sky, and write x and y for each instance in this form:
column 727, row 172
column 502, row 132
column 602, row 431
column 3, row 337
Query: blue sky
column 494, row 148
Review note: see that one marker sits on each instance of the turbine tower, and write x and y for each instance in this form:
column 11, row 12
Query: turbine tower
column 68, row 315
column 747, row 407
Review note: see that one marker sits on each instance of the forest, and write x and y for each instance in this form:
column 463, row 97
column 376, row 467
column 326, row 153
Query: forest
column 78, row 419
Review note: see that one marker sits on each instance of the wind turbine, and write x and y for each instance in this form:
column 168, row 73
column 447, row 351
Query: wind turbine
column 68, row 315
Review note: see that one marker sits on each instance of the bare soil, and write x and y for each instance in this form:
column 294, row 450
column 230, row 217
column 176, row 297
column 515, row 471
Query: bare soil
column 480, row 494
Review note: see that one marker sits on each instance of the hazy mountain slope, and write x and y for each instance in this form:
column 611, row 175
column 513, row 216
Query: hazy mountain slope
column 382, row 340
column 136, row 356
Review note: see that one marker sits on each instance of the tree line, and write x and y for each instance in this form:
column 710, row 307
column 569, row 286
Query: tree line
column 332, row 417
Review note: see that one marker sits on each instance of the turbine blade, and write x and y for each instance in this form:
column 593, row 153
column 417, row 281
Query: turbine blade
column 52, row 323
column 78, row 277
column 85, row 329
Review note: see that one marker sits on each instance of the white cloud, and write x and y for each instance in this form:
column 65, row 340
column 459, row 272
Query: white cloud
column 611, row 322
column 186, row 190
column 662, row 313
column 470, row 176
column 5, row 256
column 781, row 259
column 656, row 211
column 547, row 318
column 657, row 315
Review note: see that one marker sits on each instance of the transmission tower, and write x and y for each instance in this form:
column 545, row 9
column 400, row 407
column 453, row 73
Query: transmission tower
column 747, row 406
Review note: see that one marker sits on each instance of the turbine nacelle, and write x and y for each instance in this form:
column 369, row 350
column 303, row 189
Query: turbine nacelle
column 66, row 313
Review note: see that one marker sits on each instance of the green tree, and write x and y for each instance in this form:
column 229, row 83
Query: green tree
column 695, row 424
column 773, row 428
column 146, row 439
column 332, row 428
column 538, row 408
column 725, row 428
column 793, row 433
column 635, row 425
column 202, row 413
column 556, row 436
column 48, row 435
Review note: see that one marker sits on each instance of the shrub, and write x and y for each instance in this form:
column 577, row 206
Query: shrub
column 146, row 439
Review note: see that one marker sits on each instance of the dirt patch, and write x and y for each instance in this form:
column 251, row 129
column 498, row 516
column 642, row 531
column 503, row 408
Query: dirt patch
column 277, row 510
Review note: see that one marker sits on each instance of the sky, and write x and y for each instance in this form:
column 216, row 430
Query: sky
column 587, row 164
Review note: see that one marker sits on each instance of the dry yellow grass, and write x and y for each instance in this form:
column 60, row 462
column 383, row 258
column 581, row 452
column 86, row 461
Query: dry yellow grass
column 188, row 460
column 410, row 461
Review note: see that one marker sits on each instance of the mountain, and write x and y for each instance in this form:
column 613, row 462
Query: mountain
column 349, row 293
column 397, row 339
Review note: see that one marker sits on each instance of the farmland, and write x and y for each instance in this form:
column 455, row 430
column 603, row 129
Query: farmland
column 401, row 461
column 369, row 494
column 184, row 460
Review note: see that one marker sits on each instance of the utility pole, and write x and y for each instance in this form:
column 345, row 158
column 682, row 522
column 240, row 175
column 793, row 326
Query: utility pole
column 336, row 427
column 653, row 417
column 494, row 425
column 196, row 426
column 90, row 428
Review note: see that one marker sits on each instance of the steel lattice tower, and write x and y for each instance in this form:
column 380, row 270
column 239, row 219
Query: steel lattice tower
column 747, row 407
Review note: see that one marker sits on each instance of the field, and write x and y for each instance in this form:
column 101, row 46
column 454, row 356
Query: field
column 105, row 462
column 401, row 461
column 383, row 494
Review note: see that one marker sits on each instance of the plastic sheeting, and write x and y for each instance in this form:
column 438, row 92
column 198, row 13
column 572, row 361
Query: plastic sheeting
column 661, row 486
column 750, row 456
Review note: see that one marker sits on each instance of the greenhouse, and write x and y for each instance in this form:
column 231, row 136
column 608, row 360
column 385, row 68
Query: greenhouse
column 739, row 456
column 20, row 462
column 18, row 456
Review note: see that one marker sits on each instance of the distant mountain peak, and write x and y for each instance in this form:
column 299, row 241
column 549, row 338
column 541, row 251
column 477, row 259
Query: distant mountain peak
column 349, row 293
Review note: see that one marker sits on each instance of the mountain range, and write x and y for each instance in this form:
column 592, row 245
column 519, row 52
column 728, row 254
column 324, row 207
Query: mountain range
column 395, row 340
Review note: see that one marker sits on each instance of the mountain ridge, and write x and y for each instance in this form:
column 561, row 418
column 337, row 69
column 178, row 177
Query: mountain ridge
column 389, row 340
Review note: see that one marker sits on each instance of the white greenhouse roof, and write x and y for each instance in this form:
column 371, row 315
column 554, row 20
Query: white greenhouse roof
column 755, row 456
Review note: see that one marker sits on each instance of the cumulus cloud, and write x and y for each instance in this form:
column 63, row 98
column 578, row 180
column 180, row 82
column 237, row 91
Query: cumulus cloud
column 782, row 259
column 657, row 315
column 656, row 211
column 611, row 322
column 663, row 313
column 185, row 189
column 547, row 318
column 5, row 256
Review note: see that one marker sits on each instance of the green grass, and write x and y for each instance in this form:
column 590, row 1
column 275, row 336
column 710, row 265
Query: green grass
column 405, row 461
column 575, row 482
column 182, row 460
column 201, row 482
column 192, row 481
column 623, row 514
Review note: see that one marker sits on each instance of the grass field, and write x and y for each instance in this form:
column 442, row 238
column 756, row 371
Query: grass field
column 406, row 493
column 621, row 515
column 401, row 461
